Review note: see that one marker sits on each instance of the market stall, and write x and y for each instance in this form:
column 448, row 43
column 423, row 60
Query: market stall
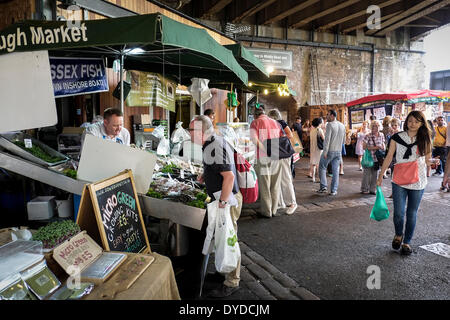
column 147, row 43
column 397, row 105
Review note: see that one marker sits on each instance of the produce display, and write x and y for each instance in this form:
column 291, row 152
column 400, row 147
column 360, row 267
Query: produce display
column 70, row 173
column 38, row 152
column 56, row 233
column 177, row 191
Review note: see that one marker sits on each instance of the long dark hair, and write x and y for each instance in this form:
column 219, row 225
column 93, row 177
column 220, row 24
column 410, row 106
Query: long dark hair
column 423, row 134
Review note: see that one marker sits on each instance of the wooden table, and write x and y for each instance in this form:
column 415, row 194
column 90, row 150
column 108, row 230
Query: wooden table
column 156, row 283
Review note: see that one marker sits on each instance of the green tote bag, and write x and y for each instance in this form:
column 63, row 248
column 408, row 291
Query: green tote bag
column 380, row 209
column 367, row 160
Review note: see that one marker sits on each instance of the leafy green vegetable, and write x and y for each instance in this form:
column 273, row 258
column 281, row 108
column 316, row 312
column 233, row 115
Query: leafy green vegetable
column 197, row 203
column 70, row 173
column 154, row 194
column 56, row 232
column 169, row 168
column 201, row 196
column 38, row 152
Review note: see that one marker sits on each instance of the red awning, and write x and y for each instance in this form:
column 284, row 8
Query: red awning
column 400, row 96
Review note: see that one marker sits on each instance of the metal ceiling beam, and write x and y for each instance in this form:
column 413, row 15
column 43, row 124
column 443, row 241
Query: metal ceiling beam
column 322, row 13
column 361, row 9
column 364, row 24
column 253, row 10
column 432, row 19
column 105, row 8
column 291, row 10
column 401, row 16
column 416, row 16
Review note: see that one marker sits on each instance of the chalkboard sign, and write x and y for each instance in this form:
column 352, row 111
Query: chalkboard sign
column 118, row 216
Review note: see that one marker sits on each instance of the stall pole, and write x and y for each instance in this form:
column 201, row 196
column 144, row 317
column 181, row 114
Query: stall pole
column 121, row 82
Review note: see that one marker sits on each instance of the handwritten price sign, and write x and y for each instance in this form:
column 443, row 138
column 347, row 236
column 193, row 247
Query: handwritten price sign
column 79, row 251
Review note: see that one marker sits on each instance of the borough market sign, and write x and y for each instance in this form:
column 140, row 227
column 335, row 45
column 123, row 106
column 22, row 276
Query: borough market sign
column 42, row 36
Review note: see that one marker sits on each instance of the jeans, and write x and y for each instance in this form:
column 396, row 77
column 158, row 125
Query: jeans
column 335, row 158
column 399, row 196
column 442, row 153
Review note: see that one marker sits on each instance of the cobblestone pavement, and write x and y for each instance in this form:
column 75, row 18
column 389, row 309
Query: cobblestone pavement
column 261, row 279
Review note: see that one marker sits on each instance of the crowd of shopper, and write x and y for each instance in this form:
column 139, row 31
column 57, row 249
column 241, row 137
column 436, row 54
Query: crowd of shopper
column 407, row 155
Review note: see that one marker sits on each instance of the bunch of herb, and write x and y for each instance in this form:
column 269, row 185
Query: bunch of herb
column 154, row 194
column 70, row 173
column 197, row 203
column 169, row 168
column 56, row 233
column 38, row 152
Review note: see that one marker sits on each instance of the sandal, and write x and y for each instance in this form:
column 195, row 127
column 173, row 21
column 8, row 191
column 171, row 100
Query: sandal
column 397, row 242
column 406, row 249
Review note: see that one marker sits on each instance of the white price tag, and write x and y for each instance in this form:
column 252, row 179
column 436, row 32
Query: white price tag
column 182, row 174
column 28, row 143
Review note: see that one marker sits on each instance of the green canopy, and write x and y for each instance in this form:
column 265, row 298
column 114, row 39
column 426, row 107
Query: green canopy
column 254, row 67
column 160, row 44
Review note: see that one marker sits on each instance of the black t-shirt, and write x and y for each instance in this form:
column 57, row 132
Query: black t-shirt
column 218, row 156
column 283, row 123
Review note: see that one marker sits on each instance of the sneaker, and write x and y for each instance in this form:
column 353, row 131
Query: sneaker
column 360, row 169
column 437, row 174
column 223, row 292
column 333, row 193
column 290, row 210
column 322, row 190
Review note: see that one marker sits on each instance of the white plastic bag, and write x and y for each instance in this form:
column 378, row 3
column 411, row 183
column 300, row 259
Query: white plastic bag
column 226, row 246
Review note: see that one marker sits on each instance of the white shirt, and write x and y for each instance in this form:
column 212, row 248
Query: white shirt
column 400, row 151
column 98, row 130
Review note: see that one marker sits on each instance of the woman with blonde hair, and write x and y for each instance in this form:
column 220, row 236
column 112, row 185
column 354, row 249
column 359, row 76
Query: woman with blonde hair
column 287, row 187
column 362, row 132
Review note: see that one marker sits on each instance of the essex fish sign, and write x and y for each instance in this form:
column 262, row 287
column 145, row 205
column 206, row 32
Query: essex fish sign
column 74, row 76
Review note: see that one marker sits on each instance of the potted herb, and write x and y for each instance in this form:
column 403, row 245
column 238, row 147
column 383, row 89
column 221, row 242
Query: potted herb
column 56, row 233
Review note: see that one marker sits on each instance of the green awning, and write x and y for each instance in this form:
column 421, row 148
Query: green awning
column 254, row 67
column 166, row 46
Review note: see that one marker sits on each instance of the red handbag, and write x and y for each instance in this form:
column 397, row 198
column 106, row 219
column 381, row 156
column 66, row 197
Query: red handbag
column 406, row 173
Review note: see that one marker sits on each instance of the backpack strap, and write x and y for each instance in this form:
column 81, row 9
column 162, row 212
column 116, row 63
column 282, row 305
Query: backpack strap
column 396, row 137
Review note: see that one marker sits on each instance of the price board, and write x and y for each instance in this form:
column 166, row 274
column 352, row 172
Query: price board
column 111, row 214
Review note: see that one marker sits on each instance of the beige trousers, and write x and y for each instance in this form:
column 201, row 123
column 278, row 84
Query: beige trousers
column 287, row 187
column 269, row 181
column 232, row 279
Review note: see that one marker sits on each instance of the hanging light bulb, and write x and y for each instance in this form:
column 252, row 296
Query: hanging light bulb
column 250, row 84
column 269, row 69
column 266, row 91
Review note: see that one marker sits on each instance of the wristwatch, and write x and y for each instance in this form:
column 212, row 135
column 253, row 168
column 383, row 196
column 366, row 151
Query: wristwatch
column 223, row 202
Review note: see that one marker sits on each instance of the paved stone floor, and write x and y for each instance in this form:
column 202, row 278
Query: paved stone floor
column 260, row 278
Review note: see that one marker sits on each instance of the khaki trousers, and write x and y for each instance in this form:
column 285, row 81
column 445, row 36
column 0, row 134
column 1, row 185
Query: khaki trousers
column 287, row 187
column 269, row 182
column 232, row 279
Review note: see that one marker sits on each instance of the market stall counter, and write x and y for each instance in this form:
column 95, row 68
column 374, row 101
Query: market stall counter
column 156, row 283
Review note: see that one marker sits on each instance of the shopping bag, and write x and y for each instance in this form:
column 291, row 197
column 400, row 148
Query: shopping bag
column 367, row 160
column 380, row 209
column 296, row 143
column 208, row 245
column 227, row 251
